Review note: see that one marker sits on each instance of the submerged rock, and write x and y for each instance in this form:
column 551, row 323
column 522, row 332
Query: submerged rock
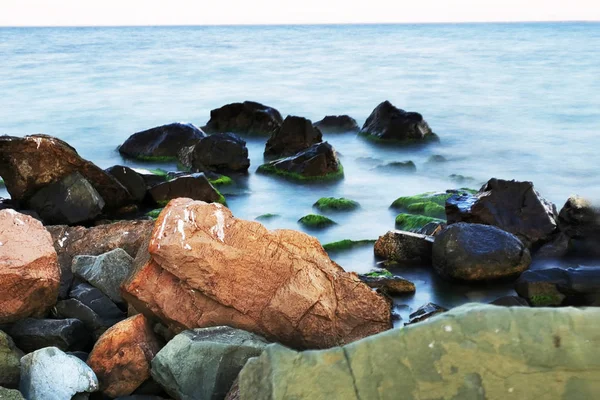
column 221, row 152
column 131, row 180
column 424, row 312
column 557, row 286
column 10, row 357
column 387, row 122
column 248, row 117
column 294, row 135
column 404, row 246
column 66, row 334
column 337, row 123
column 397, row 166
column 194, row 186
column 320, row 161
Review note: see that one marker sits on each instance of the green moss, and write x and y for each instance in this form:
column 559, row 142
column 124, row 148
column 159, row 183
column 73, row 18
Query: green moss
column 470, row 191
column 159, row 172
column 544, row 300
column 156, row 158
column 409, row 222
column 347, row 244
column 316, row 221
column 154, row 213
column 267, row 216
column 333, row 204
column 221, row 199
column 221, row 181
column 429, row 197
column 271, row 170
column 428, row 209
column 381, row 273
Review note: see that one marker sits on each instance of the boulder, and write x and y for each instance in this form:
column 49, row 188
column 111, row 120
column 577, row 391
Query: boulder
column 50, row 371
column 121, row 357
column 66, row 334
column 161, row 143
column 131, row 180
column 515, row 207
column 559, row 246
column 221, row 152
column 424, row 312
column 92, row 298
column 201, row 271
column 475, row 252
column 390, row 285
column 246, row 118
column 72, row 308
column 395, row 167
column 558, row 286
column 70, row 200
column 337, row 123
column 106, row 272
column 10, row 394
column 320, row 161
column 471, row 352
column 404, row 246
column 213, row 356
column 294, row 135
column 29, row 272
column 579, row 218
column 431, row 228
column 194, row 186
column 30, row 163
column 387, row 122
column 10, row 357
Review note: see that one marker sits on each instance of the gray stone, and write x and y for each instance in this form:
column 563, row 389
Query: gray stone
column 10, row 357
column 66, row 334
column 557, row 286
column 72, row 308
column 389, row 123
column 294, row 135
column 106, row 271
column 424, row 312
column 131, row 180
column 99, row 303
column 404, row 246
column 337, row 124
column 558, row 247
column 220, row 152
column 162, row 142
column 50, row 374
column 201, row 364
column 471, row 352
column 193, row 186
column 10, row 394
column 248, row 117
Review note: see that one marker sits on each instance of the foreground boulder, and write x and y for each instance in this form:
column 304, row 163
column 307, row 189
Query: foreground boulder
column 279, row 284
column 194, row 186
column 10, row 357
column 10, row 394
column 387, row 122
column 32, row 334
column 337, row 123
column 29, row 272
column 247, row 118
column 213, row 356
column 161, row 143
column 471, row 352
column 294, row 135
column 557, row 286
column 30, row 163
column 121, row 357
column 515, row 207
column 475, row 252
column 404, row 246
column 221, row 152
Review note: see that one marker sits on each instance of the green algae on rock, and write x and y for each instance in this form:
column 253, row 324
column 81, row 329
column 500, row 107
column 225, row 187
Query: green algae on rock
column 412, row 223
column 268, row 216
column 335, row 204
column 380, row 273
column 154, row 213
column 316, row 221
column 346, row 244
column 294, row 176
column 222, row 180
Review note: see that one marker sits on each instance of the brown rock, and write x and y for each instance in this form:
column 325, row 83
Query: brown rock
column 121, row 357
column 404, row 246
column 29, row 272
column 394, row 285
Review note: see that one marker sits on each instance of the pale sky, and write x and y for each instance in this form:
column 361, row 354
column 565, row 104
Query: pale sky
column 217, row 12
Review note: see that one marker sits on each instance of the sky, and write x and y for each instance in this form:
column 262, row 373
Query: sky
column 234, row 12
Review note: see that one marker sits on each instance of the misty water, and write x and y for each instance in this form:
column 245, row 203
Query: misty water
column 512, row 101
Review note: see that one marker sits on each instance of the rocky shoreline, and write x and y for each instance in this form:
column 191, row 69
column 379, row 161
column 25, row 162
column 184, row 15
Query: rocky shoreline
column 141, row 284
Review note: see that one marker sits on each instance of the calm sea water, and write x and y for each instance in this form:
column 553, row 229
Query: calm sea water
column 514, row 101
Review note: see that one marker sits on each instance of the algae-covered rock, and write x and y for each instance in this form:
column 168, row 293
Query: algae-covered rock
column 316, row 221
column 10, row 357
column 471, row 352
column 391, row 285
column 414, row 223
column 347, row 244
column 557, row 286
column 10, row 394
column 335, row 204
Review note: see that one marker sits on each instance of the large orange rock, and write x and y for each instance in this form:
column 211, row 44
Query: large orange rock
column 29, row 272
column 207, row 268
column 121, row 357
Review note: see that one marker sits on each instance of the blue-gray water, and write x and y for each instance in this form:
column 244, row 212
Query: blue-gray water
column 511, row 101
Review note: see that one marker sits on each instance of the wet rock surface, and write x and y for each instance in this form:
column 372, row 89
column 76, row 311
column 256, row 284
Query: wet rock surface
column 404, row 246
column 394, row 285
column 294, row 135
column 32, row 334
column 557, row 286
column 318, row 161
column 248, row 117
column 10, row 357
column 387, row 122
column 220, row 152
column 194, row 186
column 337, row 123
column 131, row 180
column 93, row 298
column 424, row 312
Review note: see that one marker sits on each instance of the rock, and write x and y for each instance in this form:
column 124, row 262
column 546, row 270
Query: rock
column 72, row 308
column 431, row 228
column 29, row 273
column 299, row 297
column 557, row 286
column 337, row 123
column 557, row 247
column 296, row 134
column 404, row 247
column 50, row 371
column 66, row 334
column 161, row 143
column 106, row 272
column 70, row 200
column 319, row 161
column 387, row 122
column 213, row 356
column 579, row 218
column 131, row 180
column 30, row 163
column 246, row 118
column 475, row 252
column 510, row 301
column 392, row 286
column 194, row 186
column 10, row 357
column 99, row 303
column 221, row 152
column 10, row 394
column 121, row 357
column 424, row 312
column 471, row 352
column 397, row 167
column 515, row 207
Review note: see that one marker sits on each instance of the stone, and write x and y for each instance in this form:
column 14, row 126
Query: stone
column 194, row 186
column 29, row 272
column 213, row 356
column 245, row 118
column 51, row 371
column 557, row 247
column 395, row 167
column 431, row 228
column 320, row 161
column 66, row 334
column 337, row 123
column 221, row 152
column 294, row 135
column 558, row 286
column 471, row 352
column 513, row 206
column 404, row 247
column 70, row 200
column 161, row 143
column 201, row 270
column 27, row 164
column 131, row 180
column 424, row 312
column 510, row 301
column 387, row 122
column 10, row 361
column 72, row 308
column 121, row 357
column 10, row 394
column 106, row 272
column 391, row 286
column 579, row 218
column 475, row 252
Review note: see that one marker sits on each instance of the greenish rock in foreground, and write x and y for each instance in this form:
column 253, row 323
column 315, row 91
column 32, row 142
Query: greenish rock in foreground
column 335, row 204
column 10, row 394
column 10, row 357
column 316, row 221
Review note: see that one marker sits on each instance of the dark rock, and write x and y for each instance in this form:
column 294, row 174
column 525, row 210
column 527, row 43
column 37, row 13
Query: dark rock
column 221, row 152
column 193, row 186
column 475, row 252
column 10, row 357
column 557, row 286
column 436, row 159
column 392, row 286
column 318, row 161
column 99, row 303
column 82, row 355
column 337, row 123
column 131, row 180
column 511, row 206
column 397, row 166
column 294, row 135
column 387, row 122
column 510, row 301
column 404, row 247
column 247, row 117
column 425, row 312
column 72, row 308
column 162, row 142
column 431, row 228
column 558, row 247
column 579, row 218
column 69, row 201
column 67, row 334
column 140, row 397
